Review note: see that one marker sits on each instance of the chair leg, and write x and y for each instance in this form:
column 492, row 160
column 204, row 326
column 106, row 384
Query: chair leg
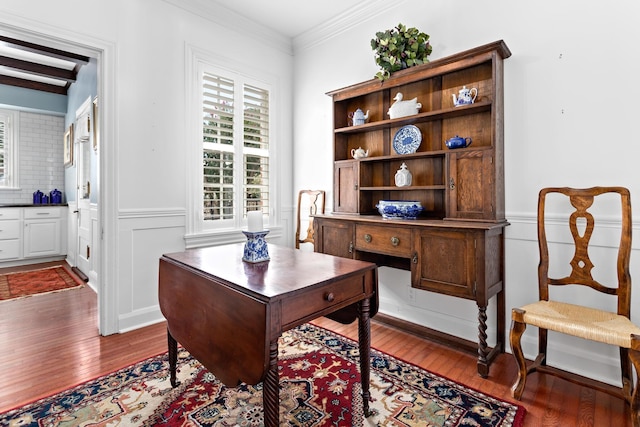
column 541, row 360
column 515, row 335
column 627, row 373
column 634, row 356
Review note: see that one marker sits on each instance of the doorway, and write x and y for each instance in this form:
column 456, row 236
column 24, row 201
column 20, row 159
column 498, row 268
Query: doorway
column 89, row 157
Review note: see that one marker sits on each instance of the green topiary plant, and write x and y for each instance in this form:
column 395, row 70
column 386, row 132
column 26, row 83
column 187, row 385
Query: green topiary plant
column 400, row 48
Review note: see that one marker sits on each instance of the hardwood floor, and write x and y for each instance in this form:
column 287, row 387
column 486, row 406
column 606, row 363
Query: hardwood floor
column 50, row 343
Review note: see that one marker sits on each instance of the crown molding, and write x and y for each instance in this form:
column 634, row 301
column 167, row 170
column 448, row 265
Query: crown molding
column 357, row 14
column 217, row 13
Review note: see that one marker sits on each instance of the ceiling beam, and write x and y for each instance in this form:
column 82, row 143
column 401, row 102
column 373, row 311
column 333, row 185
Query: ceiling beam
column 39, row 69
column 44, row 50
column 30, row 84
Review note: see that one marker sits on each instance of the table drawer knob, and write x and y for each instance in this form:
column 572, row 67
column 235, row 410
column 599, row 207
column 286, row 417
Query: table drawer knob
column 329, row 297
column 367, row 238
column 395, row 241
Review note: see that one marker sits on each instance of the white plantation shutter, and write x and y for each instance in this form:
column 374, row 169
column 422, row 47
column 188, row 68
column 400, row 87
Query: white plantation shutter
column 8, row 148
column 235, row 148
column 217, row 147
column 256, row 149
column 2, row 149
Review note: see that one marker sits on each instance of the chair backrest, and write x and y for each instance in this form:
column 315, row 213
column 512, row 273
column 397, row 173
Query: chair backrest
column 582, row 224
column 314, row 201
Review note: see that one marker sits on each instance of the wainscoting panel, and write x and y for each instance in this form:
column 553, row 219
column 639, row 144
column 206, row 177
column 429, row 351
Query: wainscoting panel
column 144, row 236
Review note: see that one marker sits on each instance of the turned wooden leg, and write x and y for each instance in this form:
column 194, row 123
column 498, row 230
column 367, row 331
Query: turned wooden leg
column 517, row 329
column 270, row 389
column 483, row 365
column 173, row 359
column 364, row 341
column 634, row 356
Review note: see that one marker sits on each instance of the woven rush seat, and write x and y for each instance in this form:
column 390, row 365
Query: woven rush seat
column 583, row 322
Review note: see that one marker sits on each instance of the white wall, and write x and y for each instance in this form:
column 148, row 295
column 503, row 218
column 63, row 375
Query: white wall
column 568, row 122
column 142, row 96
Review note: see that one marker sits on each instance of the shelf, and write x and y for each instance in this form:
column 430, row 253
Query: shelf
column 478, row 107
column 416, row 155
column 410, row 188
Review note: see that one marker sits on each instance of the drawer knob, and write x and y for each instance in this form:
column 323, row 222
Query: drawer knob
column 329, row 297
column 367, row 238
column 395, row 241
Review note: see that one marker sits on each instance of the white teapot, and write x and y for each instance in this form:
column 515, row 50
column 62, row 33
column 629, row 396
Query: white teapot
column 465, row 96
column 359, row 118
column 359, row 153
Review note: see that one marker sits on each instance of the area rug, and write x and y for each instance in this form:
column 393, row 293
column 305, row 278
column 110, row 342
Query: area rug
column 319, row 386
column 44, row 280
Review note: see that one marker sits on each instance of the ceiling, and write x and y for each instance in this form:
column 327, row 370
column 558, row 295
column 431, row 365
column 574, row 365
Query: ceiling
column 42, row 68
column 291, row 18
column 33, row 66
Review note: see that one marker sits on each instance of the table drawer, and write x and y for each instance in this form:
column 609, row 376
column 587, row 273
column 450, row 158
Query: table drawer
column 42, row 213
column 384, row 240
column 9, row 249
column 9, row 229
column 321, row 298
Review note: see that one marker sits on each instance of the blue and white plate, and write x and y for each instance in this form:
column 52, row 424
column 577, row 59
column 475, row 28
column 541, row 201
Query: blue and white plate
column 407, row 139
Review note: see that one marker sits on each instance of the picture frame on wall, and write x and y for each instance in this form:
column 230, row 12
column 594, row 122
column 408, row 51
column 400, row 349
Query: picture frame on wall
column 68, row 146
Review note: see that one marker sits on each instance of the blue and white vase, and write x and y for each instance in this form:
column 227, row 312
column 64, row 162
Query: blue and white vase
column 256, row 250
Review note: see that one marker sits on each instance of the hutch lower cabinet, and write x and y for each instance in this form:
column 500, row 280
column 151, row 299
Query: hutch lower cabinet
column 456, row 244
column 460, row 259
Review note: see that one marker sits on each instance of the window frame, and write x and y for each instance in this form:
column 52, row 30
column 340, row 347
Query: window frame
column 199, row 232
column 11, row 158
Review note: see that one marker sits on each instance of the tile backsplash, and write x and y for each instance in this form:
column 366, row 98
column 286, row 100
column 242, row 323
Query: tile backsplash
column 40, row 156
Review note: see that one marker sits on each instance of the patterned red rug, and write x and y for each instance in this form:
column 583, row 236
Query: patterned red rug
column 319, row 386
column 45, row 280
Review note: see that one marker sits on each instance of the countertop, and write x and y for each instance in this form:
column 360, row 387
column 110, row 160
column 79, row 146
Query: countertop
column 30, row 205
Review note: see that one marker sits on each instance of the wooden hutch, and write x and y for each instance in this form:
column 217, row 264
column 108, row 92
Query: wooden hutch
column 456, row 245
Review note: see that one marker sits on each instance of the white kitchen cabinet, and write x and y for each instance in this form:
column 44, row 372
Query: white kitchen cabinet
column 32, row 233
column 42, row 231
column 10, row 227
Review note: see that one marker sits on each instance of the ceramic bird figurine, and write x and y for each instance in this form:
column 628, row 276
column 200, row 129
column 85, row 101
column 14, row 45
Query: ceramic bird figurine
column 402, row 108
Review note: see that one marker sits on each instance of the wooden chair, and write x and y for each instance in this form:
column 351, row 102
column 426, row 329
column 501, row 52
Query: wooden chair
column 313, row 200
column 613, row 328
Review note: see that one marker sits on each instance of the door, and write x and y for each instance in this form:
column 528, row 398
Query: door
column 471, row 192
column 444, row 261
column 333, row 237
column 84, row 149
column 345, row 187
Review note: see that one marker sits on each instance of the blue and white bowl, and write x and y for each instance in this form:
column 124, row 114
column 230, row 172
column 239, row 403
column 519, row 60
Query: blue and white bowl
column 399, row 209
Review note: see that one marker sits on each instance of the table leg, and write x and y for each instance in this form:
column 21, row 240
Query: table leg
column 271, row 389
column 173, row 358
column 364, row 341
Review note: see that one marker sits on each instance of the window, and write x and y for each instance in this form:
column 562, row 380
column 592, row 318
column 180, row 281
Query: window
column 235, row 149
column 8, row 149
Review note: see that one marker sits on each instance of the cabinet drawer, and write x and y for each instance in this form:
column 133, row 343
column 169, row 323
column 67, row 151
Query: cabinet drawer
column 9, row 229
column 42, row 213
column 384, row 240
column 321, row 298
column 9, row 249
column 9, row 213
